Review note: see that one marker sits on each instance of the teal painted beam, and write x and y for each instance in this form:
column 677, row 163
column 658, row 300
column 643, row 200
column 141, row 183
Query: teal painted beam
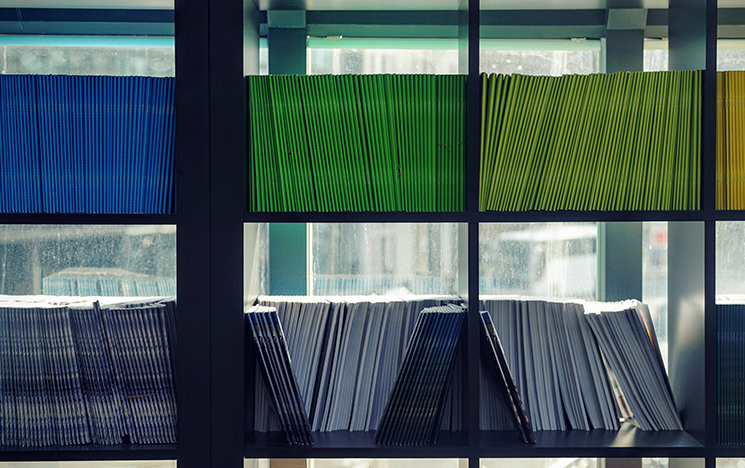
column 287, row 259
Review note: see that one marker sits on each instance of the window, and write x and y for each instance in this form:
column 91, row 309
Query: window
column 539, row 259
column 73, row 260
column 540, row 57
column 94, row 55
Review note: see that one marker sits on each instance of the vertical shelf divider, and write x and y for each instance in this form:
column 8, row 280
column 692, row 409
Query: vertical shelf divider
column 227, row 137
column 468, row 63
column 692, row 325
column 193, row 233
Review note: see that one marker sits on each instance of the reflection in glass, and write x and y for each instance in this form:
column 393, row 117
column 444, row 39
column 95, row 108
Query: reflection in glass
column 539, row 259
column 384, row 258
column 156, row 58
column 87, row 260
column 730, row 257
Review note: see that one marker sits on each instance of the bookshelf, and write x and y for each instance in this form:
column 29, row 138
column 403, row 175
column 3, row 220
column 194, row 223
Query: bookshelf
column 690, row 232
column 121, row 20
column 217, row 45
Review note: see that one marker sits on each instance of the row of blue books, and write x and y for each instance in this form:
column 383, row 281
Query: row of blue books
column 86, row 144
column 76, row 371
column 344, row 353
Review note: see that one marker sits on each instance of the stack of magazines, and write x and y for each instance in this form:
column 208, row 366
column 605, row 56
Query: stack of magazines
column 621, row 141
column 86, row 144
column 356, row 143
column 731, row 363
column 81, row 370
column 581, row 365
column 344, row 354
column 270, row 341
column 415, row 406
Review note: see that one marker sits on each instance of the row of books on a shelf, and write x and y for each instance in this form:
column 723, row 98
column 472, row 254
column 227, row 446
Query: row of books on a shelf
column 86, row 144
column 101, row 370
column 731, row 369
column 87, row 370
column 623, row 141
column 391, row 365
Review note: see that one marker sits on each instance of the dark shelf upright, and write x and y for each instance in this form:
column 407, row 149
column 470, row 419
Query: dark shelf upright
column 210, row 155
column 192, row 106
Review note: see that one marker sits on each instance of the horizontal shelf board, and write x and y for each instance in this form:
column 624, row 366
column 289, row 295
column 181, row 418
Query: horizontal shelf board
column 357, row 217
column 488, row 216
column 730, row 215
column 729, row 451
column 85, row 218
column 451, row 4
column 629, row 441
column 569, row 216
column 345, row 444
column 625, row 442
column 89, row 452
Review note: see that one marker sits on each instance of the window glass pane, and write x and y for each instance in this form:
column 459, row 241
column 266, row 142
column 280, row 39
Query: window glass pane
column 440, row 56
column 654, row 278
column 385, row 258
column 90, row 56
column 730, row 55
column 539, row 259
column 71, row 260
column 730, row 257
column 365, row 61
column 730, row 463
column 655, row 56
column 655, row 462
column 540, row 62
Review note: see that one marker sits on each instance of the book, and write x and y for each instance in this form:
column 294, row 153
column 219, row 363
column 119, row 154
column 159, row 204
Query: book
column 86, row 370
column 492, row 353
column 575, row 142
column 415, row 406
column 86, row 144
column 345, row 352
